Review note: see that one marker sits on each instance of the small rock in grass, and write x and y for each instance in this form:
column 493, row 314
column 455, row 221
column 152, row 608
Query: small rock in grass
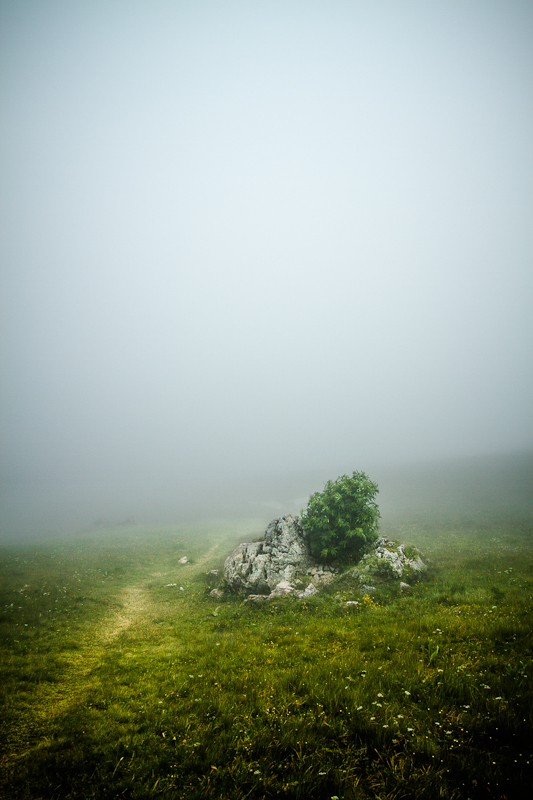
column 257, row 598
column 282, row 588
column 309, row 591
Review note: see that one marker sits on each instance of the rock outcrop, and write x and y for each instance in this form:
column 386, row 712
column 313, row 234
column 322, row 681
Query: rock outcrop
column 280, row 565
column 261, row 566
column 388, row 560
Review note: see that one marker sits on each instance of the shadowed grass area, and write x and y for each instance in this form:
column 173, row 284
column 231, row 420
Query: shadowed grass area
column 122, row 677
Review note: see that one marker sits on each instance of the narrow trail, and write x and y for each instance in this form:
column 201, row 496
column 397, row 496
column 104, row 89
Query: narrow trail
column 208, row 556
column 134, row 601
column 50, row 701
column 35, row 730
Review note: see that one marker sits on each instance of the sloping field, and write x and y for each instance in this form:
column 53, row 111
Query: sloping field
column 122, row 677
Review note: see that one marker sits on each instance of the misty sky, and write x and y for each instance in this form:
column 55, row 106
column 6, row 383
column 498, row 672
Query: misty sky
column 249, row 237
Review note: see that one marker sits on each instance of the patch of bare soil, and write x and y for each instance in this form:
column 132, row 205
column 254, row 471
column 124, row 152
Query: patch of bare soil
column 134, row 601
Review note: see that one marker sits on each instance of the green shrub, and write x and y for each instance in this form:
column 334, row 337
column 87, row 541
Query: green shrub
column 411, row 552
column 343, row 519
column 384, row 570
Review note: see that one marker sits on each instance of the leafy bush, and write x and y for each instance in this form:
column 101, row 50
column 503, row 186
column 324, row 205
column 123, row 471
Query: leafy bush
column 383, row 570
column 411, row 552
column 343, row 519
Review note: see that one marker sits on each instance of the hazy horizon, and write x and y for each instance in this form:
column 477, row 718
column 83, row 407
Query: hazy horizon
column 258, row 239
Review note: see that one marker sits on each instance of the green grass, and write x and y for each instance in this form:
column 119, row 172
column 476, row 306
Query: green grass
column 118, row 685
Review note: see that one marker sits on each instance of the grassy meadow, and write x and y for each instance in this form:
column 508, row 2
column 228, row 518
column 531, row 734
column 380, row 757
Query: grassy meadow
column 122, row 677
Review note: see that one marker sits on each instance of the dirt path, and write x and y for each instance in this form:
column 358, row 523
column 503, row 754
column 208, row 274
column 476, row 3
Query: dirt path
column 134, row 600
column 208, row 556
column 32, row 730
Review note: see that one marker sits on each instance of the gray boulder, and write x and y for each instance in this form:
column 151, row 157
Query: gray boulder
column 261, row 566
column 245, row 568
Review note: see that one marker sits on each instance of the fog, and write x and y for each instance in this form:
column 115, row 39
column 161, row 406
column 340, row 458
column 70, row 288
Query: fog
column 255, row 244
